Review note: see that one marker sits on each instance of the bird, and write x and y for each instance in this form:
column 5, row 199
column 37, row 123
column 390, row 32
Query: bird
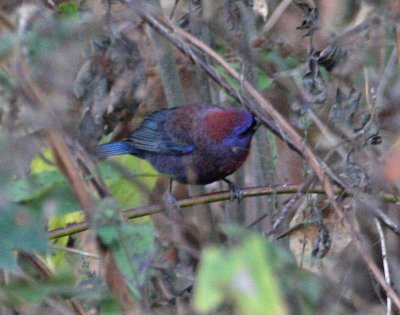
column 193, row 144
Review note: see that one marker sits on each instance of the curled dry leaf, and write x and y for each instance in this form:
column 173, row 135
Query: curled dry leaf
column 306, row 237
column 111, row 84
column 356, row 174
column 342, row 112
column 314, row 82
column 261, row 8
column 310, row 20
column 331, row 56
column 391, row 165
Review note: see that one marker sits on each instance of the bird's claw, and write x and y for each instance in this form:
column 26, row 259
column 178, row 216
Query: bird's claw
column 172, row 203
column 234, row 191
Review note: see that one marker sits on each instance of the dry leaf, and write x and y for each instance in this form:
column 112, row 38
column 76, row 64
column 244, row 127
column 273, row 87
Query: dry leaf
column 261, row 8
column 391, row 168
column 304, row 232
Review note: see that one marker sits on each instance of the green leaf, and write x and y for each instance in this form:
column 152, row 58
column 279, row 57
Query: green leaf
column 110, row 307
column 242, row 275
column 108, row 223
column 129, row 193
column 43, row 162
column 55, row 222
column 8, row 42
column 263, row 80
column 44, row 186
column 256, row 287
column 209, row 293
column 68, row 9
column 40, row 190
column 230, row 80
column 34, row 186
column 19, row 231
column 133, row 256
column 34, row 293
column 132, row 246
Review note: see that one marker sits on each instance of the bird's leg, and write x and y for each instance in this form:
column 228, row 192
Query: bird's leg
column 171, row 200
column 234, row 191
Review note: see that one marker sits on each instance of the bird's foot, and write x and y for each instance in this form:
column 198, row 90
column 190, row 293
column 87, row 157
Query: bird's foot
column 172, row 203
column 234, row 191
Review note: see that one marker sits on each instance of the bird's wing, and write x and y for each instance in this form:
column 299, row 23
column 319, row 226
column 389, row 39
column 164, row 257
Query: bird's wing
column 152, row 137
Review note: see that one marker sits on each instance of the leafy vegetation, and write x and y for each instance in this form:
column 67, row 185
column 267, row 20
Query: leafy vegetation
column 316, row 231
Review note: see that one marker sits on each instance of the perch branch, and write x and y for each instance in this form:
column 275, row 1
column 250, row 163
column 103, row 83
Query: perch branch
column 222, row 196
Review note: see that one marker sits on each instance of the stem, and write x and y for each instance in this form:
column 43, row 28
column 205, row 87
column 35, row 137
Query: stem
column 211, row 198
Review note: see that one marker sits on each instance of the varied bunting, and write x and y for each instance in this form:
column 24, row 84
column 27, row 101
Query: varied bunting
column 193, row 144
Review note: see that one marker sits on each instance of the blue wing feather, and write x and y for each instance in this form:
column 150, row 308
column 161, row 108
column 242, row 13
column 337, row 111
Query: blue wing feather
column 152, row 137
column 116, row 148
column 149, row 137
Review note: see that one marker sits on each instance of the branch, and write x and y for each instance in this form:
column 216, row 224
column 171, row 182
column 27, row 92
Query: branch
column 282, row 216
column 222, row 196
column 373, row 20
column 167, row 68
column 276, row 16
column 65, row 161
column 385, row 262
column 189, row 202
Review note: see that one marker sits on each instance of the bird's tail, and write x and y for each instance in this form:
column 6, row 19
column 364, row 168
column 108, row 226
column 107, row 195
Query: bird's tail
column 115, row 148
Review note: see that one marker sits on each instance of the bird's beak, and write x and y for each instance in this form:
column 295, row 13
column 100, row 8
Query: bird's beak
column 256, row 124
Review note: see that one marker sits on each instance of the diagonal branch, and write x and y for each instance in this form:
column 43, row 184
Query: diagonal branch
column 65, row 161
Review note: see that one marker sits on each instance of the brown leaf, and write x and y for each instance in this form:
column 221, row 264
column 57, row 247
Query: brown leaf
column 305, row 233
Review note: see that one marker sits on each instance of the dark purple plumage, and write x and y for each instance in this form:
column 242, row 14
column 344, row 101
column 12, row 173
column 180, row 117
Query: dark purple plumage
column 195, row 144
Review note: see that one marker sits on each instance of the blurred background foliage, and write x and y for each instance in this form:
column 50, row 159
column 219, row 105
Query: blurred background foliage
column 89, row 71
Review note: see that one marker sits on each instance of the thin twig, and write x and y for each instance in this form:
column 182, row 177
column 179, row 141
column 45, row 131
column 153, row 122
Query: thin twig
column 282, row 216
column 385, row 219
column 328, row 134
column 167, row 69
column 75, row 251
column 373, row 20
column 276, row 15
column 173, row 9
column 384, row 80
column 385, row 263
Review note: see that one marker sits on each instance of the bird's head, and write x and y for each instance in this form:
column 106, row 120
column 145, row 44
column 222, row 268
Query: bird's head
column 232, row 127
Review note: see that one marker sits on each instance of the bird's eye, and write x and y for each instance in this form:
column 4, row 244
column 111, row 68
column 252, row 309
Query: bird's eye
column 235, row 150
column 253, row 127
column 244, row 133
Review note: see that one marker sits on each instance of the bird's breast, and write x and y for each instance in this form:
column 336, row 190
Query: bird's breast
column 206, row 164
